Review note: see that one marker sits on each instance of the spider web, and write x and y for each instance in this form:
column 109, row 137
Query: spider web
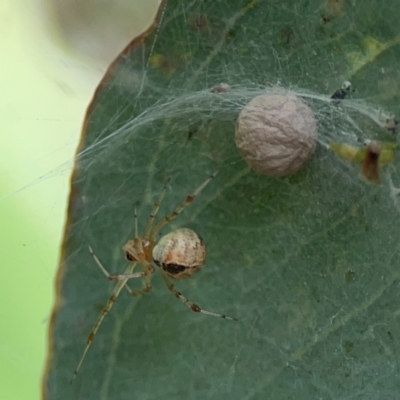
column 308, row 263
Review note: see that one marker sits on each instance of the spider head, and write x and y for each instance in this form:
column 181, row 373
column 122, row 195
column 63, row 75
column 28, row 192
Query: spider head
column 133, row 250
column 138, row 249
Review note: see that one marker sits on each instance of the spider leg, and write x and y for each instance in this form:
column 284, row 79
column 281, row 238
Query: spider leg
column 145, row 290
column 120, row 277
column 156, row 207
column 105, row 272
column 135, row 217
column 146, row 275
column 188, row 303
column 99, row 263
column 188, row 200
column 110, row 302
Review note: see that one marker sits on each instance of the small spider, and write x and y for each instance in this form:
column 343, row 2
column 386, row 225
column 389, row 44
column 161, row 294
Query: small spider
column 179, row 254
column 220, row 88
column 388, row 121
column 341, row 93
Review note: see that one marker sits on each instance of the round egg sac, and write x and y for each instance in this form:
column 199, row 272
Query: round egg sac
column 276, row 134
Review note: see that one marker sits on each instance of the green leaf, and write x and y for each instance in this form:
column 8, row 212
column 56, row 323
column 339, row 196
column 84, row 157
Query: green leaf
column 309, row 264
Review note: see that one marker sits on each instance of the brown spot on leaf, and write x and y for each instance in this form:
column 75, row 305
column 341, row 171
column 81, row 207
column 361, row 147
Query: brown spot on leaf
column 334, row 7
column 370, row 169
column 200, row 23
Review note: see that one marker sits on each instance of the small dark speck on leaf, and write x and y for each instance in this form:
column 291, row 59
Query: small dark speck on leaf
column 348, row 346
column 231, row 34
column 192, row 131
column 325, row 19
column 286, row 34
column 349, row 275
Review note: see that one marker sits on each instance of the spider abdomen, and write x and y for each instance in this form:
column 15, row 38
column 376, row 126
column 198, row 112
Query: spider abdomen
column 180, row 253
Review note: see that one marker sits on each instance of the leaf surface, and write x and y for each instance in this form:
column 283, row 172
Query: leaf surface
column 307, row 263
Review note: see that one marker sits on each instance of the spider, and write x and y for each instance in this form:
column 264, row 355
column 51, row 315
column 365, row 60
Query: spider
column 341, row 93
column 179, row 255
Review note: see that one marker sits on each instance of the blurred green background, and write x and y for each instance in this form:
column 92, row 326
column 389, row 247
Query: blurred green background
column 53, row 55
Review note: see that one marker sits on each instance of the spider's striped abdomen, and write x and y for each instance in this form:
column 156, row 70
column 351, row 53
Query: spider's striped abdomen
column 180, row 253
